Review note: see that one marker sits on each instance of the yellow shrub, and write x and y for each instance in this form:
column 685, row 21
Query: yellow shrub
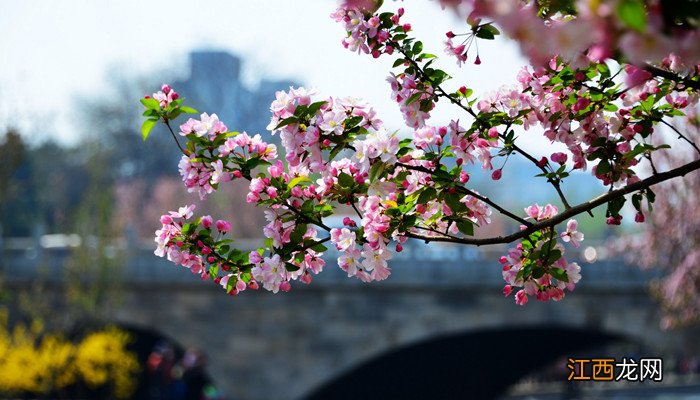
column 35, row 363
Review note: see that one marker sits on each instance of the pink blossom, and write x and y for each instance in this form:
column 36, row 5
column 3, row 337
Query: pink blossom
column 572, row 234
column 521, row 298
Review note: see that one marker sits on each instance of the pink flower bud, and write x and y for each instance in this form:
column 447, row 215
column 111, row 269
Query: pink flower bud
column 478, row 60
column 165, row 88
column 306, row 278
column 463, row 177
column 521, row 298
column 614, row 220
column 507, row 290
column 493, row 133
column 450, row 34
column 272, row 192
column 639, row 218
column 285, row 286
column 399, row 248
column 253, row 285
column 496, row 175
column 211, row 259
column 406, row 27
column 347, row 221
column 401, row 11
column 174, row 95
column 223, row 226
column 207, row 221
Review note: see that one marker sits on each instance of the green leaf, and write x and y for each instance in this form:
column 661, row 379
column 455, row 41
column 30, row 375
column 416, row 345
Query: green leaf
column 466, row 227
column 297, row 181
column 426, row 195
column 151, row 103
column 414, row 97
column 147, row 126
column 314, row 107
column 398, row 62
column 417, row 47
column 287, row 121
column 491, row 29
column 345, row 180
column 188, row 110
column 376, row 170
column 485, row 34
column 632, row 14
column 559, row 274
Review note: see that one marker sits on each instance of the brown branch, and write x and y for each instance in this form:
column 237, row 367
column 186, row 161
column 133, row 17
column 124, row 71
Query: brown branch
column 672, row 77
column 471, row 193
column 571, row 212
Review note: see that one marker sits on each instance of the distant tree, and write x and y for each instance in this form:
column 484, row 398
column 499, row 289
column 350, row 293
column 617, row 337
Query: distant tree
column 13, row 154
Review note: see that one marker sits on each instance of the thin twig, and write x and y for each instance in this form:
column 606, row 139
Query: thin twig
column 471, row 193
column 680, row 135
column 167, row 123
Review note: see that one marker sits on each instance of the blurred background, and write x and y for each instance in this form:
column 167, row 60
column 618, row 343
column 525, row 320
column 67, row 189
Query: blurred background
column 81, row 195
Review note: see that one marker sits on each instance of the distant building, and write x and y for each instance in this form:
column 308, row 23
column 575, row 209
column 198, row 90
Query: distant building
column 214, row 86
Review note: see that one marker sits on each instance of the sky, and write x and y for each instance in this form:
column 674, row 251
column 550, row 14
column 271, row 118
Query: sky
column 54, row 52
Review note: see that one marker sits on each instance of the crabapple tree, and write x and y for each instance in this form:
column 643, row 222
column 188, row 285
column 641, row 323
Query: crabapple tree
column 607, row 81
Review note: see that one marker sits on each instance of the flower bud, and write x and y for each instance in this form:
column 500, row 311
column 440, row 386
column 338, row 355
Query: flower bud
column 223, row 226
column 285, row 286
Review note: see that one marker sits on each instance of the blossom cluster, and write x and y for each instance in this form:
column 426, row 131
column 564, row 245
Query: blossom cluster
column 537, row 264
column 370, row 35
column 591, row 31
column 338, row 156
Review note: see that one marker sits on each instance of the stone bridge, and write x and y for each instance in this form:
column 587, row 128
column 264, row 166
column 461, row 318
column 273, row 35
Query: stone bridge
column 265, row 346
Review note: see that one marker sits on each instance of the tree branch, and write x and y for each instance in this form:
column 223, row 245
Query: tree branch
column 680, row 135
column 471, row 193
column 571, row 212
column 672, row 77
